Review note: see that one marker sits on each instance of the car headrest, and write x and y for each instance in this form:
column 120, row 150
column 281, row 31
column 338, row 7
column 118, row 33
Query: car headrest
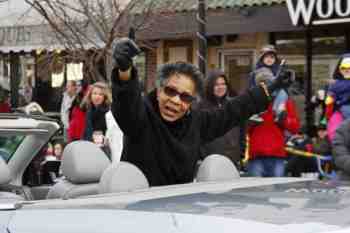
column 83, row 162
column 5, row 174
column 122, row 177
column 217, row 168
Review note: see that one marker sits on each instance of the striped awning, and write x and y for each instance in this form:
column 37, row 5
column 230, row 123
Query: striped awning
column 50, row 48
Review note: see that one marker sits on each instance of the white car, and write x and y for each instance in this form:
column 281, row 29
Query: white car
column 95, row 195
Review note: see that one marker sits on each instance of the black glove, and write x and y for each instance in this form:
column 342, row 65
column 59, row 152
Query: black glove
column 282, row 81
column 123, row 51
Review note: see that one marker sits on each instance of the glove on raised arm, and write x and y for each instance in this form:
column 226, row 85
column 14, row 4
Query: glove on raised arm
column 123, row 51
column 282, row 81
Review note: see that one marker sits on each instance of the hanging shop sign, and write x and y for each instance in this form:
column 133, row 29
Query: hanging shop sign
column 318, row 12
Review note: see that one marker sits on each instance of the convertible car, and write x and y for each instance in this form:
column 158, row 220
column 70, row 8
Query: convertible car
column 94, row 194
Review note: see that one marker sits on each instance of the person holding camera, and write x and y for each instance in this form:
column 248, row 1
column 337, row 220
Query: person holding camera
column 163, row 134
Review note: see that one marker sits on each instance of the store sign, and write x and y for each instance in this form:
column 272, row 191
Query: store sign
column 318, row 12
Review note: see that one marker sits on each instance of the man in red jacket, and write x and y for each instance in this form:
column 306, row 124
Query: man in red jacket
column 266, row 142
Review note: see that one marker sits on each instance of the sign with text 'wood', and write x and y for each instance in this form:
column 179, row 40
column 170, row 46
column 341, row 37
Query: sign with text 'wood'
column 318, row 12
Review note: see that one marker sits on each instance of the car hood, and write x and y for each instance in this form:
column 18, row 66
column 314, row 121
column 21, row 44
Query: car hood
column 135, row 222
column 283, row 205
column 5, row 217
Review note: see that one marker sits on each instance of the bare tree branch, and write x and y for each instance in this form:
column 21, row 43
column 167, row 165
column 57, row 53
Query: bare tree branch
column 85, row 29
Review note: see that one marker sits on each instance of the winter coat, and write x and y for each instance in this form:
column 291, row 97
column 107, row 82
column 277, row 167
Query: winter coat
column 95, row 121
column 76, row 124
column 274, row 69
column 338, row 91
column 267, row 138
column 229, row 144
column 5, row 107
column 65, row 106
column 167, row 152
column 341, row 147
column 114, row 137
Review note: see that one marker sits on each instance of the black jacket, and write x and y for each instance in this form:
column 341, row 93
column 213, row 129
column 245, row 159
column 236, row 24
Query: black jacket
column 167, row 153
column 95, row 121
column 229, row 144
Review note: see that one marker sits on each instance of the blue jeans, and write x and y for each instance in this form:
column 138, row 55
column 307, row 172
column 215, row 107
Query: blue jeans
column 266, row 167
column 281, row 98
column 345, row 110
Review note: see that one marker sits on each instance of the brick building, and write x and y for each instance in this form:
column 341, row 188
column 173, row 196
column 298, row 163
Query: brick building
column 236, row 30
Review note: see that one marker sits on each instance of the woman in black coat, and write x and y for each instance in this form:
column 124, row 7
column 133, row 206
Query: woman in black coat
column 163, row 134
column 98, row 101
column 216, row 95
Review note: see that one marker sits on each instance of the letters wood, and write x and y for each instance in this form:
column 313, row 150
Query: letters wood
column 318, row 12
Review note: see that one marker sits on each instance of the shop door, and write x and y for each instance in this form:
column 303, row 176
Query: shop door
column 237, row 69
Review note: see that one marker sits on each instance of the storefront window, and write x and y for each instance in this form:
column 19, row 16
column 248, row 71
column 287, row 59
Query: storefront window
column 327, row 47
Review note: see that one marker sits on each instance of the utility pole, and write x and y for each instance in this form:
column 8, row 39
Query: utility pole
column 14, row 79
column 309, row 117
column 202, row 38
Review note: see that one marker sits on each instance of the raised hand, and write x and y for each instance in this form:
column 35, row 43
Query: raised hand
column 123, row 51
column 283, row 80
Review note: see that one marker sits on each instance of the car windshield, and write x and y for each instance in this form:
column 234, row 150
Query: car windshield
column 9, row 144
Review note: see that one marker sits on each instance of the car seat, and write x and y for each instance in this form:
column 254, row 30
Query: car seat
column 122, row 177
column 83, row 163
column 216, row 168
column 5, row 179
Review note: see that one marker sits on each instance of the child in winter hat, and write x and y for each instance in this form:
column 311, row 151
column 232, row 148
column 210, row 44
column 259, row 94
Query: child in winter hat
column 265, row 72
column 339, row 92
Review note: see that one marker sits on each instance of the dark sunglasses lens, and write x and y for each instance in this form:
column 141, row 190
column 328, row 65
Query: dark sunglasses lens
column 186, row 98
column 169, row 91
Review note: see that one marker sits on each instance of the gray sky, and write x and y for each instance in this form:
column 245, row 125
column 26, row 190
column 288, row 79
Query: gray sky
column 12, row 13
column 18, row 12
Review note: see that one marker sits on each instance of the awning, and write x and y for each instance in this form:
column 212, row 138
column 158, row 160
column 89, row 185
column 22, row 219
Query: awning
column 274, row 18
column 27, row 48
column 50, row 48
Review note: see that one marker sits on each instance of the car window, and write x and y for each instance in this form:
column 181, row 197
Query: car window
column 9, row 144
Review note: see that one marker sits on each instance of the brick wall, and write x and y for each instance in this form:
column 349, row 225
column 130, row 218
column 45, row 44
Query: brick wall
column 151, row 68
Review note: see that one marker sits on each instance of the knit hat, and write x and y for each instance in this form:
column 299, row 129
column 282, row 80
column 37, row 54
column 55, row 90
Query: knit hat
column 345, row 63
column 266, row 50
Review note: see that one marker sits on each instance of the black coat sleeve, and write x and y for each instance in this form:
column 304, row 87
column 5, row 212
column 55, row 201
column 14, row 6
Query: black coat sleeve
column 128, row 106
column 341, row 149
column 216, row 123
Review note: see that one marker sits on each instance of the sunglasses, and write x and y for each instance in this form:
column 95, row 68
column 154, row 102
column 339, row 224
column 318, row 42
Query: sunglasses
column 172, row 92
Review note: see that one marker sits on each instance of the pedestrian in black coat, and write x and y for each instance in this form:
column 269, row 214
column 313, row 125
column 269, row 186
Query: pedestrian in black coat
column 216, row 95
column 163, row 134
column 98, row 101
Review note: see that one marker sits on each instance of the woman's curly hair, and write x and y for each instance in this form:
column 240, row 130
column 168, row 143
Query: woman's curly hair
column 191, row 71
